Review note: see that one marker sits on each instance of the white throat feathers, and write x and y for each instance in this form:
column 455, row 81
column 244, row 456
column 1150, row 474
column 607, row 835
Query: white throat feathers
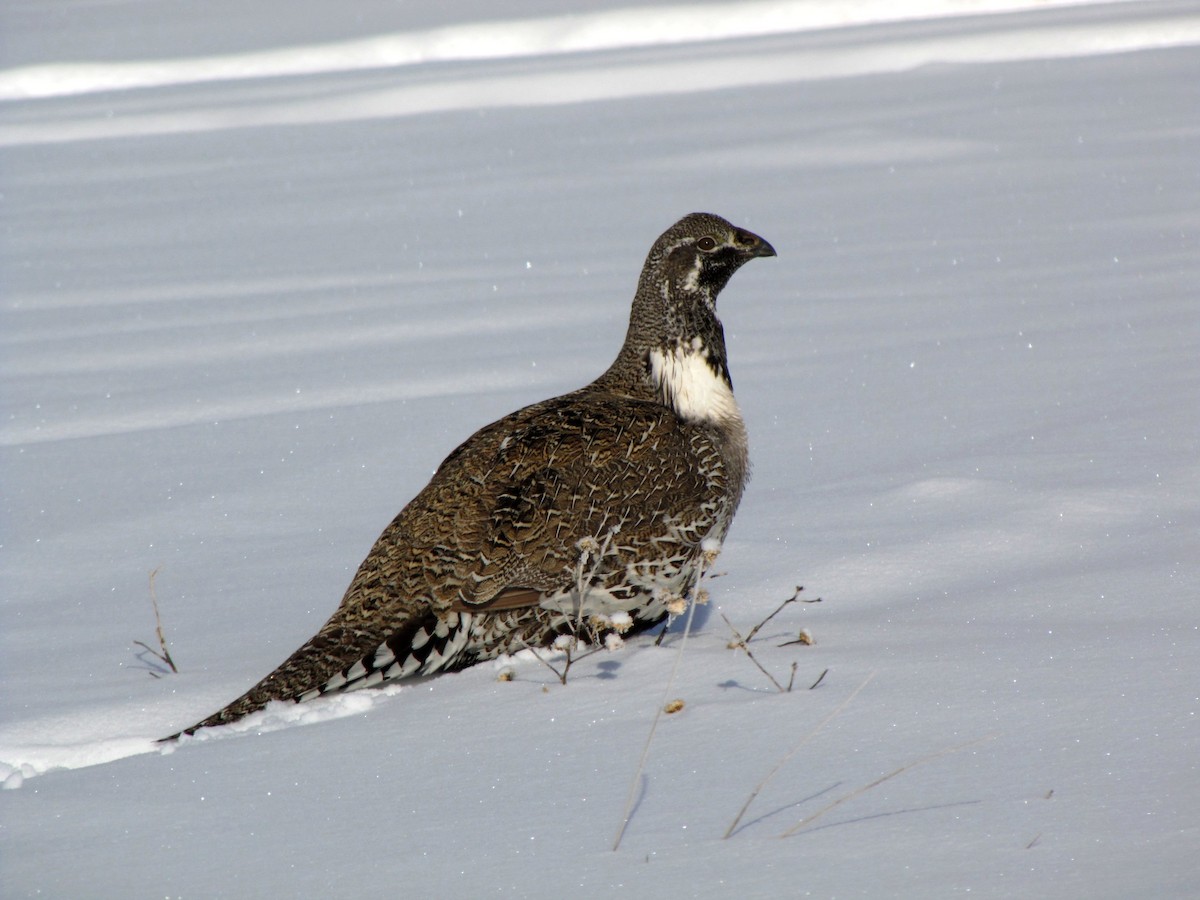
column 691, row 385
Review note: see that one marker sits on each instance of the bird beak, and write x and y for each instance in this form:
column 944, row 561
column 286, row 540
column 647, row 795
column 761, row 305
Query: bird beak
column 765, row 249
column 754, row 246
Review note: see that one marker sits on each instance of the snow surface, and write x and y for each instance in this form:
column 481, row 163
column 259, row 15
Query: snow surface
column 249, row 303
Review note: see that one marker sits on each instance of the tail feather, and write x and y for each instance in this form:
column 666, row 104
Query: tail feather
column 422, row 647
column 337, row 660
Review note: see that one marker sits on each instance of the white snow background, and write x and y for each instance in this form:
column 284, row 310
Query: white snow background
column 264, row 265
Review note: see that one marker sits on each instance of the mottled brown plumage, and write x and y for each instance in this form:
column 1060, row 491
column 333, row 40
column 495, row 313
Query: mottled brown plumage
column 599, row 501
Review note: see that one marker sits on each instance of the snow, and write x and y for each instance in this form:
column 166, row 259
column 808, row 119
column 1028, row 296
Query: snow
column 247, row 311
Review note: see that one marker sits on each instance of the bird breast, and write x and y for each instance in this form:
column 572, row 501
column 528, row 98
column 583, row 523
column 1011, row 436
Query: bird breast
column 691, row 383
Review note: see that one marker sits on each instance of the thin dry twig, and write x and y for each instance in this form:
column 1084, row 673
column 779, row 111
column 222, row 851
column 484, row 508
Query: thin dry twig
column 571, row 657
column 878, row 781
column 591, row 554
column 162, row 654
column 787, row 756
column 792, row 599
column 743, row 644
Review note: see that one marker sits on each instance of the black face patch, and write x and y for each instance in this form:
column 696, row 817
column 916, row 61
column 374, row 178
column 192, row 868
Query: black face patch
column 719, row 266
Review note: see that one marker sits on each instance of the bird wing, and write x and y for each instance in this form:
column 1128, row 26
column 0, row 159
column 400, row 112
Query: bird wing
column 610, row 473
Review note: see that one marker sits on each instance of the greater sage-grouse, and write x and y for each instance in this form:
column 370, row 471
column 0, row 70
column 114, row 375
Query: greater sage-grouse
column 602, row 503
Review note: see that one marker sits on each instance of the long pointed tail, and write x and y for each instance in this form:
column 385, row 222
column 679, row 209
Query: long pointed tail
column 341, row 659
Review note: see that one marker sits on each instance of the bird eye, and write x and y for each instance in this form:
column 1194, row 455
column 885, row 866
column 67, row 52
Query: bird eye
column 707, row 244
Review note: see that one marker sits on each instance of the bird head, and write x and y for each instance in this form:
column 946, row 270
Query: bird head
column 674, row 308
column 686, row 268
column 698, row 255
